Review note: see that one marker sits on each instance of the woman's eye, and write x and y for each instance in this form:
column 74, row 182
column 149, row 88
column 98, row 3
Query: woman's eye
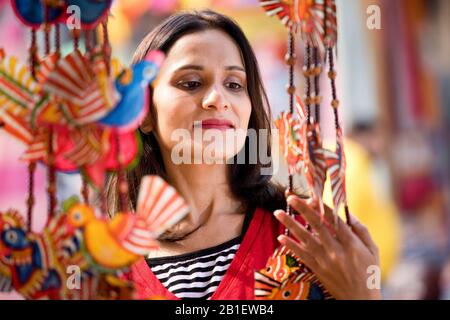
column 234, row 86
column 190, row 85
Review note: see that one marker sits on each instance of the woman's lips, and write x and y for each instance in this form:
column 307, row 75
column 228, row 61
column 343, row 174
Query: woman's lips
column 219, row 124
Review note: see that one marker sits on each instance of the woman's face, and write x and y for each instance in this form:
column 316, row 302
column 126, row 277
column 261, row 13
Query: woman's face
column 201, row 99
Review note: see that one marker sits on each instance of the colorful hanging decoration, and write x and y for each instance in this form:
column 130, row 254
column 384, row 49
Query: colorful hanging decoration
column 79, row 113
column 300, row 138
column 36, row 265
column 74, row 102
column 285, row 278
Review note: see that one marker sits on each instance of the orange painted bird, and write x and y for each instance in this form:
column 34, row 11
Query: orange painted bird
column 117, row 243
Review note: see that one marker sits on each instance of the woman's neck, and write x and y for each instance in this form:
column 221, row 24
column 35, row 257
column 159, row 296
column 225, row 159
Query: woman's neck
column 216, row 215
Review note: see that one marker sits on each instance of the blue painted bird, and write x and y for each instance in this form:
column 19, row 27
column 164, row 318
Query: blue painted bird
column 132, row 86
column 33, row 269
column 31, row 12
column 92, row 11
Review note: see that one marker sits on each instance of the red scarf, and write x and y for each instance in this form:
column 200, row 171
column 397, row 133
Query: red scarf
column 238, row 283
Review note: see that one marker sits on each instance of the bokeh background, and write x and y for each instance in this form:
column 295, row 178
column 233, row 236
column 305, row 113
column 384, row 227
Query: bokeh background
column 394, row 87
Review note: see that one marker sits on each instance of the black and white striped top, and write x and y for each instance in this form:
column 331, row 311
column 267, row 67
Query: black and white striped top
column 196, row 274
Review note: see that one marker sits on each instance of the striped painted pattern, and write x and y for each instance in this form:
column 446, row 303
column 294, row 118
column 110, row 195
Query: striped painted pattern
column 37, row 149
column 290, row 142
column 336, row 167
column 159, row 206
column 17, row 97
column 331, row 28
column 312, row 23
column 87, row 146
column 282, row 9
column 197, row 274
column 73, row 80
column 317, row 154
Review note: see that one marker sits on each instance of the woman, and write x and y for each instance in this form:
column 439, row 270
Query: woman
column 210, row 80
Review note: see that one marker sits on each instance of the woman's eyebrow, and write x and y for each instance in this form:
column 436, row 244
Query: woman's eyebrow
column 190, row 67
column 237, row 68
column 200, row 68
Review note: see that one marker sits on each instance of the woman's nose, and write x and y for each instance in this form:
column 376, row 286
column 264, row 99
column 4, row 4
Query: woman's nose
column 215, row 99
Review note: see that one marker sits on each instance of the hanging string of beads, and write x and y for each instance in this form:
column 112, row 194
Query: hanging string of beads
column 290, row 61
column 307, row 73
column 317, row 71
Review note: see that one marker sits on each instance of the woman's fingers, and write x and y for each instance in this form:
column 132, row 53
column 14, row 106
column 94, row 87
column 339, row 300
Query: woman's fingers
column 313, row 219
column 299, row 232
column 300, row 251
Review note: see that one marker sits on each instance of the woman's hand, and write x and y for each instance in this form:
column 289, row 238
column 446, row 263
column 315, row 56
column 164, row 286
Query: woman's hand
column 339, row 258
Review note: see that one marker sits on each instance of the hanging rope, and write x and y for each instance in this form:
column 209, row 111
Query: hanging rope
column 51, row 177
column 106, row 46
column 31, row 199
column 76, row 39
column 85, row 190
column 58, row 39
column 33, row 53
column 122, row 185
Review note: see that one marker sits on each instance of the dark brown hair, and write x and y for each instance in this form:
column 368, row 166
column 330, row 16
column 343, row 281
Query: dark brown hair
column 246, row 182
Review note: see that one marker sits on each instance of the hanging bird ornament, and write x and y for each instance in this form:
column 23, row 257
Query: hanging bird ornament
column 117, row 243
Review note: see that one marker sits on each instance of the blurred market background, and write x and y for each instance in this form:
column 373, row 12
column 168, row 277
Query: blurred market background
column 394, row 87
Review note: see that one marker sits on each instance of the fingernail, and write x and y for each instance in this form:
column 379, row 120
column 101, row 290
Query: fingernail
column 278, row 213
column 291, row 198
column 281, row 238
